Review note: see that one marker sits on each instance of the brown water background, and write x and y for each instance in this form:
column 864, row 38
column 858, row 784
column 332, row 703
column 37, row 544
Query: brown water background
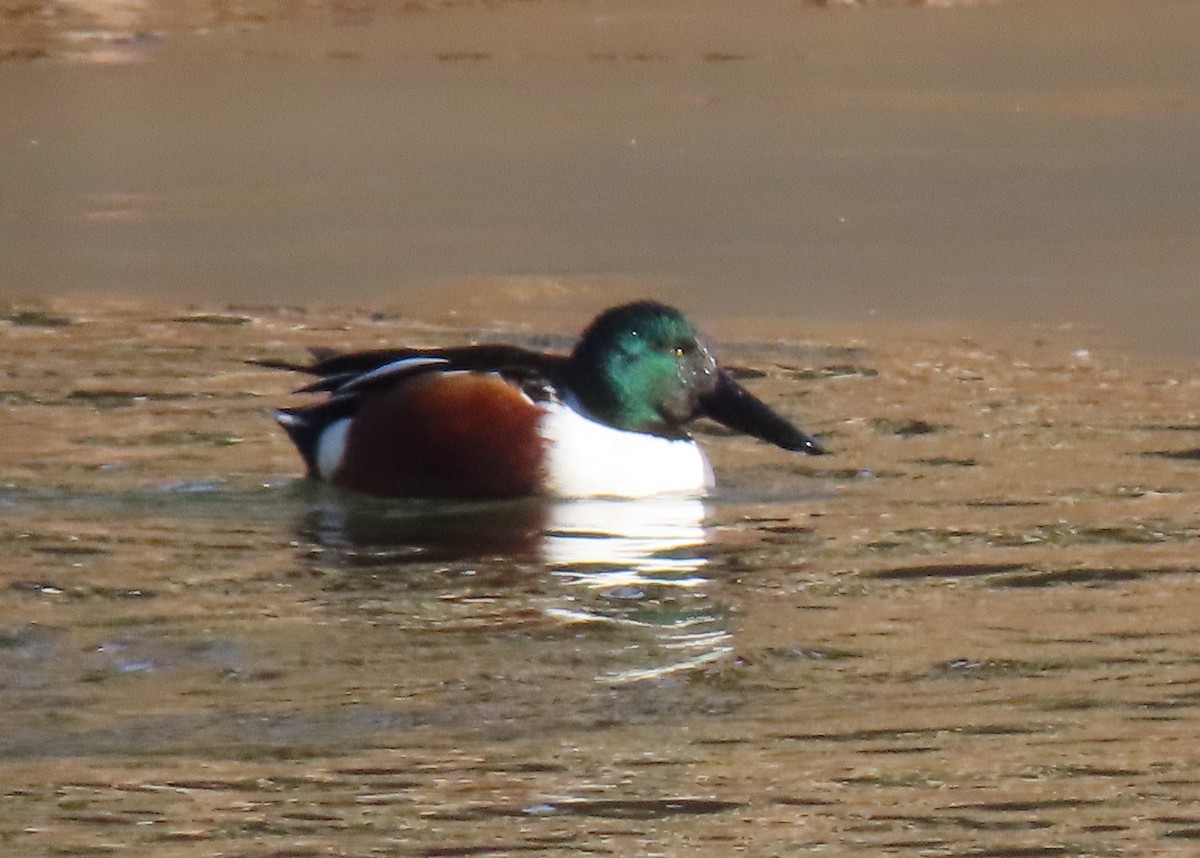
column 959, row 244
column 1008, row 163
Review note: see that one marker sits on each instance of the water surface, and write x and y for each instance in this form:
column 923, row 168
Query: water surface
column 919, row 231
column 969, row 631
column 1010, row 163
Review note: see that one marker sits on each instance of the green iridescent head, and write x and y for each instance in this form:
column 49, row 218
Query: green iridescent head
column 643, row 367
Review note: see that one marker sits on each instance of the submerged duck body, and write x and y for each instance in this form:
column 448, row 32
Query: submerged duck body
column 609, row 419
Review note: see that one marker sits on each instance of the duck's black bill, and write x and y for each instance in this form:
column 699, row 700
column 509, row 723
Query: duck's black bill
column 732, row 405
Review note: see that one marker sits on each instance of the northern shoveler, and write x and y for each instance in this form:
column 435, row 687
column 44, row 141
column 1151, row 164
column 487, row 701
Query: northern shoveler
column 502, row 421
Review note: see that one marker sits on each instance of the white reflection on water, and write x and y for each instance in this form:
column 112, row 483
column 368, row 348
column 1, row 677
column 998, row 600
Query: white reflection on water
column 634, row 565
column 597, row 540
column 633, row 549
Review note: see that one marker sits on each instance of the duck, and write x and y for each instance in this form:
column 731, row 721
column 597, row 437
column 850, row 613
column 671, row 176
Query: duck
column 608, row 420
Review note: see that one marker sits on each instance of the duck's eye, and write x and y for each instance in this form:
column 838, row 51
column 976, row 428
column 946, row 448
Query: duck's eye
column 679, row 351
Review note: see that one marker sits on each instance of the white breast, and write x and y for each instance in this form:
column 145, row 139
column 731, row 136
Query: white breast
column 585, row 458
